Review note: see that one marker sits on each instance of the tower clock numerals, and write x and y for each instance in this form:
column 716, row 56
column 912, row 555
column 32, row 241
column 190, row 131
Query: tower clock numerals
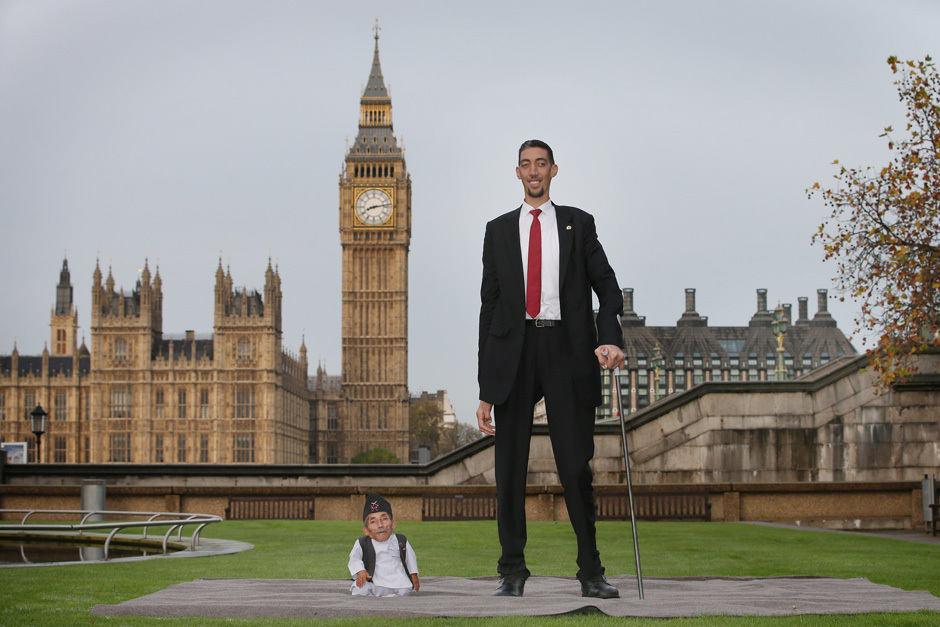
column 374, row 207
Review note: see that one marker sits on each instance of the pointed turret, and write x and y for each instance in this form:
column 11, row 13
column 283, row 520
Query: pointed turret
column 157, row 304
column 109, row 282
column 64, row 319
column 375, row 89
column 63, row 294
column 220, row 294
column 96, row 290
column 321, row 374
column 375, row 140
column 145, row 288
column 272, row 295
column 145, row 273
column 269, row 274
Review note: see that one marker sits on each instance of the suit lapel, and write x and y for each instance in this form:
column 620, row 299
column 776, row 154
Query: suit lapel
column 515, row 249
column 565, row 240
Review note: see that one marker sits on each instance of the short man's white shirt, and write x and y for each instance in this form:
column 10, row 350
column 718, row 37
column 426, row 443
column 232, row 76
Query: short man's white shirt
column 389, row 571
column 551, row 301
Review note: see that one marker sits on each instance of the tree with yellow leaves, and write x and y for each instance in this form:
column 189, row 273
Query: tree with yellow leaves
column 884, row 231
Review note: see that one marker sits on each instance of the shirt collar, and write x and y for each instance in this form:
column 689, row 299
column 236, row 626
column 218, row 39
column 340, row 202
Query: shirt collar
column 547, row 208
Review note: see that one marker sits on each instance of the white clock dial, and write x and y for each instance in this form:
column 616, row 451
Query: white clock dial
column 373, row 206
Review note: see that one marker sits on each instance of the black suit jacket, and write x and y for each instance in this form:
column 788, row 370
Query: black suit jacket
column 583, row 267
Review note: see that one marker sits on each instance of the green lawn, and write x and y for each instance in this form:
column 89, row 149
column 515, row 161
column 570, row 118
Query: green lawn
column 64, row 595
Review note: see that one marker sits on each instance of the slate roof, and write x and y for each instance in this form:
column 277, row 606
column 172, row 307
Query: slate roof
column 183, row 349
column 331, row 384
column 242, row 299
column 692, row 338
column 32, row 365
column 375, row 91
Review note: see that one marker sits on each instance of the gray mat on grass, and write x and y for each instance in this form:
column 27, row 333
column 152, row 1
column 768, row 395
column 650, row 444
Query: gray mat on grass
column 544, row 596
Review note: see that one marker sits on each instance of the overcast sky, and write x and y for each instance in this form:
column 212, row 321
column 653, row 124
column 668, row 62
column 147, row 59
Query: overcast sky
column 181, row 132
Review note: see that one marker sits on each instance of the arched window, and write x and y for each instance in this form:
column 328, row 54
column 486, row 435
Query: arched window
column 244, row 348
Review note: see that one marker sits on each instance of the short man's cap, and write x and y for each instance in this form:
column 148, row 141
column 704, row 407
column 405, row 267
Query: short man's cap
column 374, row 504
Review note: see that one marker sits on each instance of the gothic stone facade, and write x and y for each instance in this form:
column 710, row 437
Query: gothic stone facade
column 58, row 379
column 237, row 396
column 140, row 396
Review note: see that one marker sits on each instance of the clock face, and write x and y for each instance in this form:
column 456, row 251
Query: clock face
column 373, row 207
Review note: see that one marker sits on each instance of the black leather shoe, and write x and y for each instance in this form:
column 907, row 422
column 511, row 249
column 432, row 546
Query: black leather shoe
column 599, row 588
column 510, row 586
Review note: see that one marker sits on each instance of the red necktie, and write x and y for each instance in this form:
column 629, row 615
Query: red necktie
column 533, row 290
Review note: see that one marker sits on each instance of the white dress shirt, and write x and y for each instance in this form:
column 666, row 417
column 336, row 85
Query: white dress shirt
column 389, row 571
column 551, row 301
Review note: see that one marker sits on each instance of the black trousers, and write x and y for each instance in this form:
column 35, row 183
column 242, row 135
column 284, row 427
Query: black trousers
column 542, row 372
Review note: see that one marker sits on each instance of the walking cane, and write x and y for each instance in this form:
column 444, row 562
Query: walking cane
column 626, row 464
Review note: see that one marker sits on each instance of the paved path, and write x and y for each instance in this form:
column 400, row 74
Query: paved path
column 472, row 597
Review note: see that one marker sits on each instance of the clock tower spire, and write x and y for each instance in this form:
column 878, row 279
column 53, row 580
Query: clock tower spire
column 375, row 233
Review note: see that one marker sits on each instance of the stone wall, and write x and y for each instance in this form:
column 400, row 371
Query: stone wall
column 822, row 450
column 860, row 505
column 827, row 426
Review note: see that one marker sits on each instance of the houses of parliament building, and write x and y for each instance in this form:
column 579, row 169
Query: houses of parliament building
column 138, row 395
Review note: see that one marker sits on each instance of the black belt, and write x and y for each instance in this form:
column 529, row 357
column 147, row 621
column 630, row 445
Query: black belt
column 538, row 322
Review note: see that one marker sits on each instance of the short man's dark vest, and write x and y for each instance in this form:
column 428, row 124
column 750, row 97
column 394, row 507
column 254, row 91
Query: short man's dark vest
column 368, row 553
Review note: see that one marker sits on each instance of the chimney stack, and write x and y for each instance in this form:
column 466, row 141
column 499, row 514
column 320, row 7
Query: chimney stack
column 629, row 318
column 690, row 317
column 823, row 317
column 628, row 301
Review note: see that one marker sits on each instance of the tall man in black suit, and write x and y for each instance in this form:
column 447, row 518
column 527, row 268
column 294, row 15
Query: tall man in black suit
column 539, row 337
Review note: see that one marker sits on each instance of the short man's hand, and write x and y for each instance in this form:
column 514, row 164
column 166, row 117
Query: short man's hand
column 361, row 578
column 485, row 418
column 610, row 357
column 414, row 581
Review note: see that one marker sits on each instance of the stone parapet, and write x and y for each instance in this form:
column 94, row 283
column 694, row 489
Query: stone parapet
column 842, row 505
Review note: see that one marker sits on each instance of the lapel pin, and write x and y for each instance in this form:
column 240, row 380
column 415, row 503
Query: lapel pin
column 568, row 228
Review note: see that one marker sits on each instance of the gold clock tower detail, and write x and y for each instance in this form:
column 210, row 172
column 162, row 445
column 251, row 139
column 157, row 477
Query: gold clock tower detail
column 375, row 232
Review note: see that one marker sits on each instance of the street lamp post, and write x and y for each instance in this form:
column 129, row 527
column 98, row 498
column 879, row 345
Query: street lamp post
column 780, row 325
column 657, row 364
column 38, row 419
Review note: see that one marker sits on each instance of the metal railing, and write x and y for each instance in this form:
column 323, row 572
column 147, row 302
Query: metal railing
column 176, row 522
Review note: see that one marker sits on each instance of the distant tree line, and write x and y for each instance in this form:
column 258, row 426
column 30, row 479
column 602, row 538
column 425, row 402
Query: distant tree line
column 427, row 428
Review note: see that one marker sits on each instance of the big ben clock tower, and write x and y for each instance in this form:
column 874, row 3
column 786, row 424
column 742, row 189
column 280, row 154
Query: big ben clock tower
column 375, row 232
